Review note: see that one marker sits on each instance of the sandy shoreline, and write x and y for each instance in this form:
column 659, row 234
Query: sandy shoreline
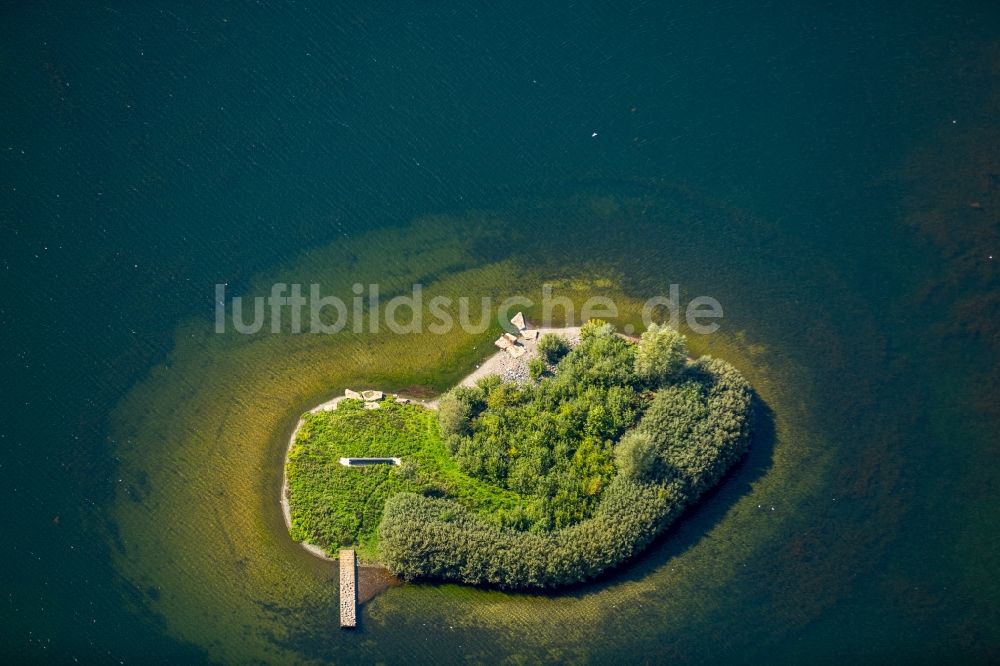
column 501, row 363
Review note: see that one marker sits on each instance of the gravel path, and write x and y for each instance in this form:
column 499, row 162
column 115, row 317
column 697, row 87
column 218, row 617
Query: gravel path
column 509, row 368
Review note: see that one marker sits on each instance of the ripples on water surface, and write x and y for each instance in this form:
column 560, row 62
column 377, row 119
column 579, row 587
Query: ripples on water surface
column 829, row 175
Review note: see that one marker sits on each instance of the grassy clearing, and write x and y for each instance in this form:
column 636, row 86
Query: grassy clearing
column 334, row 506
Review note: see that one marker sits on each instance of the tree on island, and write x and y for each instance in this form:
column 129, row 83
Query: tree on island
column 636, row 456
column 660, row 355
column 552, row 348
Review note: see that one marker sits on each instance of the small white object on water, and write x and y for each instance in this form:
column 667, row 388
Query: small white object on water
column 593, row 135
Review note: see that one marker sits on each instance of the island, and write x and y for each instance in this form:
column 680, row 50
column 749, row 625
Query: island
column 562, row 457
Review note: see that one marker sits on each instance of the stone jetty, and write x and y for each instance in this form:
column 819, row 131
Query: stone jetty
column 348, row 589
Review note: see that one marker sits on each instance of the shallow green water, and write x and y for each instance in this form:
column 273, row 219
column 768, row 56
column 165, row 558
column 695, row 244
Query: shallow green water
column 797, row 164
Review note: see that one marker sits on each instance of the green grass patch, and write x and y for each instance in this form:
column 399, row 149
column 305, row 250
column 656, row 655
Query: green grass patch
column 333, row 506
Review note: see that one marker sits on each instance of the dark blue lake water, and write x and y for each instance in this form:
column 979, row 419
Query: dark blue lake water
column 828, row 171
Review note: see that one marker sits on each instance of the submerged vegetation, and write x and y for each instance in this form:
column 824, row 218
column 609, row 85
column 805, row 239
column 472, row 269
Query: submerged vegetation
column 526, row 485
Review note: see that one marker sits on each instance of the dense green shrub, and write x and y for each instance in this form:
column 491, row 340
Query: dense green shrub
column 660, row 354
column 454, row 414
column 552, row 347
column 418, row 542
column 551, row 443
column 637, row 456
column 536, row 368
